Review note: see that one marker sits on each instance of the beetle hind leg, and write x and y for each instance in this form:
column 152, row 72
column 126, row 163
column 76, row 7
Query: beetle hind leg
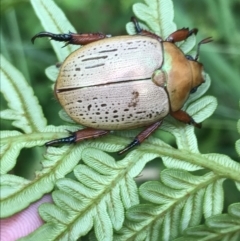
column 90, row 133
column 141, row 136
column 85, row 134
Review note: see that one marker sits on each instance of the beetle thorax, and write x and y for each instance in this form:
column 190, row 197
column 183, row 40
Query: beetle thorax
column 182, row 75
column 179, row 75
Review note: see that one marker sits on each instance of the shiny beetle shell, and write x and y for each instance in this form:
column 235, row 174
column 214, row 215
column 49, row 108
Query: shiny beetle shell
column 125, row 82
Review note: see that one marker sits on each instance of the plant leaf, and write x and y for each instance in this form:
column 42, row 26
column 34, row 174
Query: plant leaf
column 9, row 150
column 202, row 89
column 187, row 45
column 175, row 204
column 199, row 110
column 24, row 108
column 170, row 162
column 158, row 15
column 65, row 117
column 202, row 108
column 238, row 185
column 237, row 146
column 217, row 227
column 213, row 199
column 63, row 160
column 52, row 72
column 103, row 190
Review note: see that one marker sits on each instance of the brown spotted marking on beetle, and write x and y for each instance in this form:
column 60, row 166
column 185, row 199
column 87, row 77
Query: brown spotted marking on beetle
column 134, row 99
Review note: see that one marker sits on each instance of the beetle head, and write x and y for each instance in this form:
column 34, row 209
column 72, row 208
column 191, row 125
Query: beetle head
column 197, row 75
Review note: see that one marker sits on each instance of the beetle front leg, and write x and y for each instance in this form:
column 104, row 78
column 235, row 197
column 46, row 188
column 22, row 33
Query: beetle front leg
column 72, row 38
column 185, row 118
column 181, row 35
column 141, row 136
column 85, row 134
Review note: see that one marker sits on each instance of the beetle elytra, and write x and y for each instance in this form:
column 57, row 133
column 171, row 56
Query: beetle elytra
column 125, row 82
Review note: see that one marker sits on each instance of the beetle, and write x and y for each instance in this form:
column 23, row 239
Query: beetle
column 125, row 82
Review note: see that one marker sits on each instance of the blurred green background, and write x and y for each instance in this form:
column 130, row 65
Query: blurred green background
column 219, row 19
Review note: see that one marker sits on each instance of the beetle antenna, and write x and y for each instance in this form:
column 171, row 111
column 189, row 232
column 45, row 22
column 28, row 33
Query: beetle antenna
column 204, row 41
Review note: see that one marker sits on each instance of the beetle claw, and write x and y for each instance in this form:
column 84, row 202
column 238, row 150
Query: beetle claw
column 65, row 45
column 198, row 125
column 70, row 132
column 69, row 139
column 40, row 35
column 56, row 37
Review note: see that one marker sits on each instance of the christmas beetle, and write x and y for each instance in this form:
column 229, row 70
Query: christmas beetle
column 125, row 82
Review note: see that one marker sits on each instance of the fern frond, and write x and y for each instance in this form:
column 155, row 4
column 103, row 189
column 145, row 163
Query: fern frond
column 188, row 45
column 25, row 112
column 238, row 185
column 9, row 150
column 24, row 108
column 178, row 201
column 202, row 89
column 238, row 141
column 217, row 162
column 158, row 15
column 238, row 146
column 184, row 134
column 217, row 227
column 52, row 72
column 103, row 190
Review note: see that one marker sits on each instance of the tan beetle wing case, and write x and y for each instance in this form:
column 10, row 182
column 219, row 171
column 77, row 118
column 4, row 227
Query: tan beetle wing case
column 107, row 84
column 111, row 60
column 117, row 106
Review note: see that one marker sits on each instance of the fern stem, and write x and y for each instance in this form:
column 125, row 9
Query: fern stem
column 222, row 166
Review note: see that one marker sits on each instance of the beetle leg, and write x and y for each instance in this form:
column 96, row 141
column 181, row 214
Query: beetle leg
column 185, row 117
column 85, row 134
column 141, row 136
column 143, row 32
column 72, row 38
column 181, row 35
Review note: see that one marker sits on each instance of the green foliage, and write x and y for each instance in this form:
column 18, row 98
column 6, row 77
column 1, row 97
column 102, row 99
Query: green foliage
column 101, row 194
column 218, row 227
column 238, row 141
column 159, row 16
